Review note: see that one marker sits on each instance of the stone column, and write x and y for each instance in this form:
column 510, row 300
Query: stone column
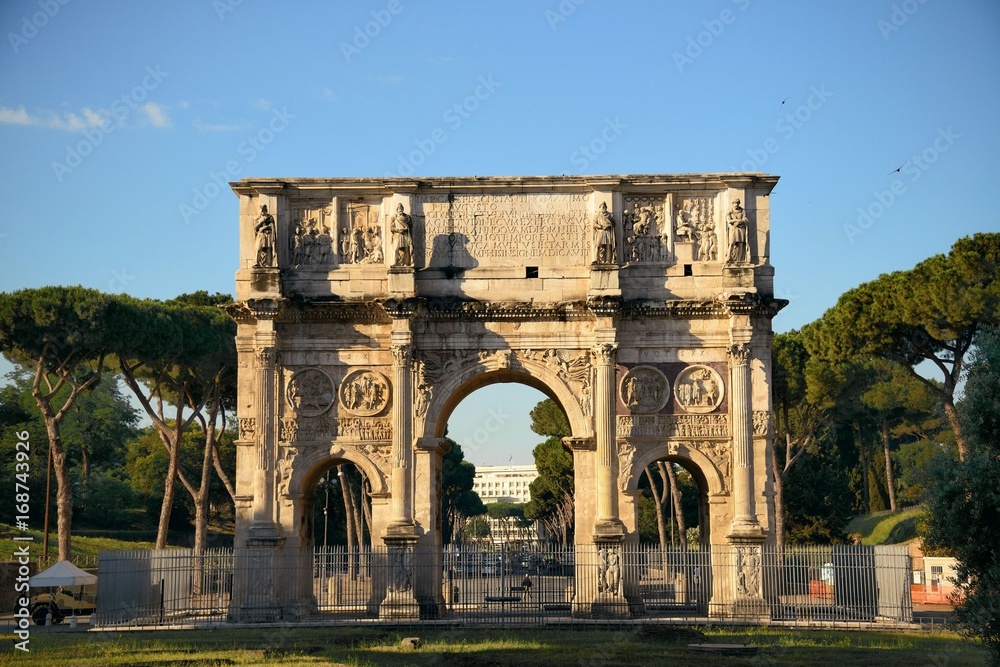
column 400, row 535
column 265, row 394
column 254, row 597
column 608, row 523
column 745, row 561
column 609, row 531
column 402, row 437
column 745, row 519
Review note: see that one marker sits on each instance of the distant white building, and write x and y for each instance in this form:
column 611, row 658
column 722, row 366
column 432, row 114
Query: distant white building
column 507, row 484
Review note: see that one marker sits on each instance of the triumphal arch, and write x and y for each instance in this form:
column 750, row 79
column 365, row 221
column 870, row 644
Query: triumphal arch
column 368, row 308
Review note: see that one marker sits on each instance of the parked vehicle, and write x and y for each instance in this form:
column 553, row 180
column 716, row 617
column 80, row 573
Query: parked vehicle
column 64, row 602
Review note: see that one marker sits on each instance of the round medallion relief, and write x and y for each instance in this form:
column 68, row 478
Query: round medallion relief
column 310, row 392
column 644, row 389
column 699, row 389
column 364, row 393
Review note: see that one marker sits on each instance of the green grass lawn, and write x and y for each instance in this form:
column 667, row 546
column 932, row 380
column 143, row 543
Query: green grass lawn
column 635, row 646
column 80, row 546
column 886, row 528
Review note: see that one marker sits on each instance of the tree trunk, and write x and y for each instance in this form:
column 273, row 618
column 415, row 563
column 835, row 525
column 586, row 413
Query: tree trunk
column 201, row 508
column 64, row 488
column 956, row 426
column 889, row 478
column 779, row 499
column 863, row 453
column 345, row 492
column 169, row 486
column 658, row 503
column 675, row 493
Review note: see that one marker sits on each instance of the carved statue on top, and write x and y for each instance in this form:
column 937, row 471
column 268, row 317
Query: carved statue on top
column 264, row 229
column 738, row 223
column 401, row 227
column 604, row 236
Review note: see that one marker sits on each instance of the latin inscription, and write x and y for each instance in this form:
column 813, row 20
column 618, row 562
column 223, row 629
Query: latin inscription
column 470, row 228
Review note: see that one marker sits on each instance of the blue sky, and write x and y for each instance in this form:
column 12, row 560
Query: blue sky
column 120, row 119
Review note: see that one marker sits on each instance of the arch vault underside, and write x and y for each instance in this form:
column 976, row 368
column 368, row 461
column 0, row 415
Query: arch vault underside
column 369, row 308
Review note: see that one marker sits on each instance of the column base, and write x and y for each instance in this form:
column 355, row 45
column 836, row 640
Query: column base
column 609, row 605
column 750, row 609
column 745, row 530
column 609, row 530
column 400, row 602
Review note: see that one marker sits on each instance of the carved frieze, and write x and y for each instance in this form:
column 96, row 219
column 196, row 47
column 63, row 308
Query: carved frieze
column 380, row 454
column 574, row 368
column 310, row 241
column 643, row 229
column 761, row 422
column 748, row 571
column 695, row 221
column 609, row 570
column 626, row 454
column 644, row 389
column 719, row 452
column 364, row 393
column 247, row 428
column 673, row 426
column 310, row 392
column 361, row 234
column 699, row 389
column 285, row 463
column 364, row 429
column 326, row 429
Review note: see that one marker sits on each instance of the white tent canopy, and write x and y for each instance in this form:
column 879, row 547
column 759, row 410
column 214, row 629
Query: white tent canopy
column 62, row 573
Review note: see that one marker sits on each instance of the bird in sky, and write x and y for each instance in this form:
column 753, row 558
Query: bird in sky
column 896, row 170
column 785, row 100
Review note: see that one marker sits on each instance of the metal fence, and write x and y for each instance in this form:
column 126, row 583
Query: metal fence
column 502, row 584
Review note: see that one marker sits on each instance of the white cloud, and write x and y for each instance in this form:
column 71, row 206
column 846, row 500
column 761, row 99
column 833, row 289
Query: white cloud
column 17, row 116
column 71, row 121
column 220, row 127
column 156, row 114
column 261, row 103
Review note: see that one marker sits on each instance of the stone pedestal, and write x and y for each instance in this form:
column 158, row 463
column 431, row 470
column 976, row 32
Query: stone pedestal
column 610, row 601
column 738, row 276
column 255, row 598
column 604, row 280
column 402, row 282
column 265, row 282
column 400, row 602
column 748, row 602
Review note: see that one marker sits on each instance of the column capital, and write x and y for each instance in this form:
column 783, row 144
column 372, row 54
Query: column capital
column 604, row 353
column 265, row 356
column 402, row 354
column 739, row 354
